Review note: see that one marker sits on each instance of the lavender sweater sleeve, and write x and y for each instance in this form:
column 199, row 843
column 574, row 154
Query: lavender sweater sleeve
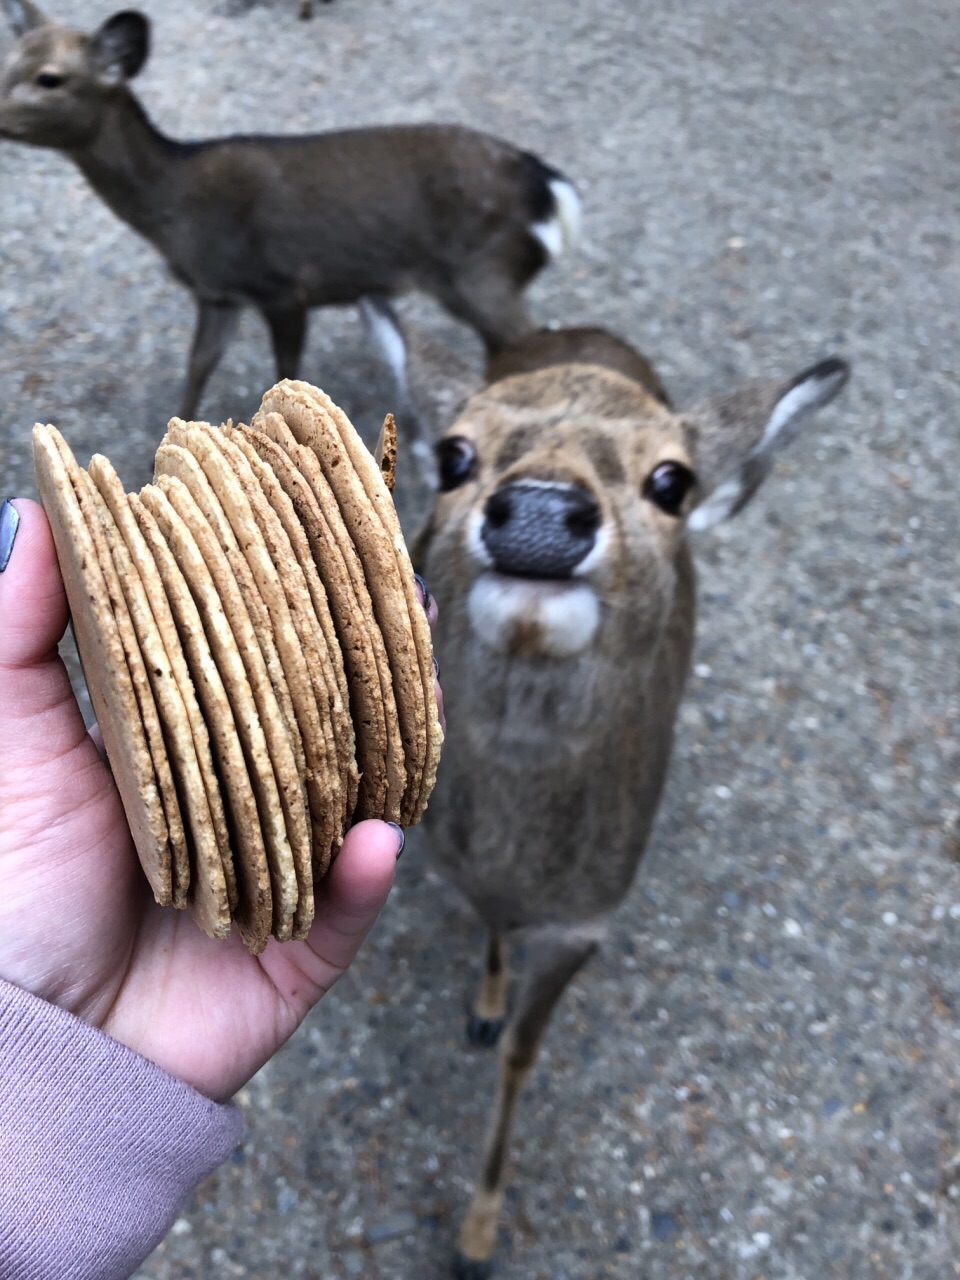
column 99, row 1148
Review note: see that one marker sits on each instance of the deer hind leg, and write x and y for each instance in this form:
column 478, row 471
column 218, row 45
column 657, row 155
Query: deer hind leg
column 486, row 1020
column 386, row 333
column 216, row 323
column 288, row 331
column 554, row 960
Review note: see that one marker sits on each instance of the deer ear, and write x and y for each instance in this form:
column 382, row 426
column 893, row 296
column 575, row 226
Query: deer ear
column 119, row 48
column 23, row 16
column 734, row 439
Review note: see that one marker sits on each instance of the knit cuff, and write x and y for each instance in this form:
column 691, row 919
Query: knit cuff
column 99, row 1148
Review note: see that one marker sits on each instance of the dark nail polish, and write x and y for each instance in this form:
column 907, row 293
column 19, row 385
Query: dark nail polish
column 436, row 667
column 423, row 588
column 401, row 837
column 9, row 524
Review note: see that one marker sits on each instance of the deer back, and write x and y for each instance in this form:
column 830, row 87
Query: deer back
column 280, row 221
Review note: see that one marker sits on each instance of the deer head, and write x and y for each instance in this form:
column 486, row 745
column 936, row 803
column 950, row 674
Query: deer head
column 56, row 82
column 566, row 490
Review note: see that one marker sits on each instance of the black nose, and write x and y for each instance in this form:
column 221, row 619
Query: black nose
column 539, row 530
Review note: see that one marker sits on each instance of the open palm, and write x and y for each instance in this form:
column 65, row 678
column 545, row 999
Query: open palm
column 78, row 924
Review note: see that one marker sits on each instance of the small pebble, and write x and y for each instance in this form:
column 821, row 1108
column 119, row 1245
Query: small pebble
column 397, row 1224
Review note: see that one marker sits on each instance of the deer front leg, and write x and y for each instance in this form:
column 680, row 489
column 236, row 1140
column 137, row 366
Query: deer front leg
column 216, row 322
column 288, row 332
column 554, row 960
column 486, row 1021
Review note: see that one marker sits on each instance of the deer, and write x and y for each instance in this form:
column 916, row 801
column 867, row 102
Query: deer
column 558, row 551
column 289, row 223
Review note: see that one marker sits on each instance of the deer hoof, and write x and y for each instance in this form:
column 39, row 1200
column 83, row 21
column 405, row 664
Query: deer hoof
column 465, row 1268
column 483, row 1033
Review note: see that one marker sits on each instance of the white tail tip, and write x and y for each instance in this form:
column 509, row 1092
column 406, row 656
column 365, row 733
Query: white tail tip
column 562, row 230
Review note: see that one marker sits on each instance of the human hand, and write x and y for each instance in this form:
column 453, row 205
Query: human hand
column 78, row 924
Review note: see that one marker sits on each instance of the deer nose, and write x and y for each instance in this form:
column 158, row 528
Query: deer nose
column 539, row 530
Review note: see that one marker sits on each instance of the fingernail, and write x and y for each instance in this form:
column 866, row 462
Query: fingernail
column 401, row 838
column 423, row 588
column 9, row 524
column 436, row 667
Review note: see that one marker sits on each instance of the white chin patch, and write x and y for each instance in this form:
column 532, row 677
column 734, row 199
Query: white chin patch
column 532, row 617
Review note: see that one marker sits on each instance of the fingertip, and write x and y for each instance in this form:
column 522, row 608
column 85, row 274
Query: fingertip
column 366, row 865
column 427, row 600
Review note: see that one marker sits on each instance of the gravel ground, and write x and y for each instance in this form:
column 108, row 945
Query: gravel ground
column 759, row 1075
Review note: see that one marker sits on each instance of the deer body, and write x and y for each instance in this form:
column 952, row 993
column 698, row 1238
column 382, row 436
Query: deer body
column 558, row 553
column 285, row 224
column 260, row 220
column 548, row 762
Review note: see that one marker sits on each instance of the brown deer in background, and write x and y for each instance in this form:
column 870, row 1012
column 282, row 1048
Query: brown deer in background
column 284, row 224
column 557, row 550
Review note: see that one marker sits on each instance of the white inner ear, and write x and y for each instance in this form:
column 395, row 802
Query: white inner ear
column 806, row 395
column 784, row 422
column 717, row 507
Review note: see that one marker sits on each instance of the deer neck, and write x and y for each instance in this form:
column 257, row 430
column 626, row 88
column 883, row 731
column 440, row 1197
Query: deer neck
column 130, row 164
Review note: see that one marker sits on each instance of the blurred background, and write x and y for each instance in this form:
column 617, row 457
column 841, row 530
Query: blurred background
column 759, row 1075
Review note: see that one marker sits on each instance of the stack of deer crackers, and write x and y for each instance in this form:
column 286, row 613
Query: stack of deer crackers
column 257, row 658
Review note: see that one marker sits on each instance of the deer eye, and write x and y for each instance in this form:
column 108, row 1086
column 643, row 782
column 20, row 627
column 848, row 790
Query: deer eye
column 456, row 462
column 47, row 80
column 667, row 485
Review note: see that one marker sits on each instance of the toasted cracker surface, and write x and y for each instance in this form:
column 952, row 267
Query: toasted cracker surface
column 253, row 911
column 185, row 732
column 175, row 459
column 312, row 427
column 311, row 612
column 213, row 453
column 227, row 626
column 180, row 862
column 385, row 454
column 381, row 497
column 104, row 662
column 379, row 749
column 181, row 475
column 268, row 460
column 325, row 784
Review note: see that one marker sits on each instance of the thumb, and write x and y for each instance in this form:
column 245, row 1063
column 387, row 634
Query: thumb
column 33, row 605
column 39, row 717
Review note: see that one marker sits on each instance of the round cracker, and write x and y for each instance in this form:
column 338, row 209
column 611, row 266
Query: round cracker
column 385, row 454
column 230, row 633
column 208, row 447
column 380, row 755
column 103, row 660
column 317, row 611
column 173, row 458
column 207, row 893
column 111, row 489
column 359, row 489
column 326, row 787
column 180, row 864
column 254, row 908
column 260, row 655
column 376, row 481
column 314, row 426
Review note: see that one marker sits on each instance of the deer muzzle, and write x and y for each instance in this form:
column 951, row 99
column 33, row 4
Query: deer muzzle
column 535, row 542
column 539, row 529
